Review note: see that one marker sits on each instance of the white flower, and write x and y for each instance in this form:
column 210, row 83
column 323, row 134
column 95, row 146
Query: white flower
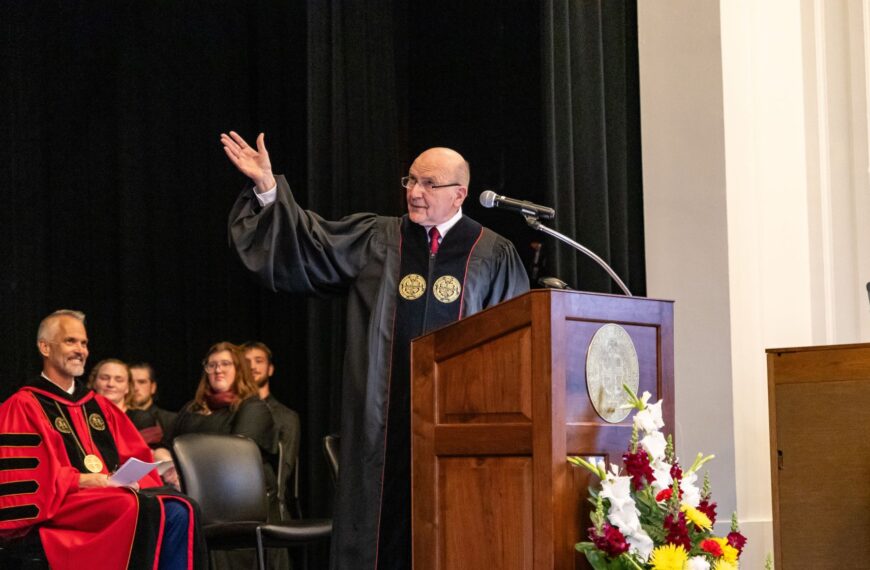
column 645, row 397
column 654, row 444
column 691, row 493
column 617, row 490
column 662, row 473
column 649, row 419
column 627, row 520
column 640, row 544
column 622, row 513
column 697, row 563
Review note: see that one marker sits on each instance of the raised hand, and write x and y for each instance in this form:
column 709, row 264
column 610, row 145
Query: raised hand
column 253, row 163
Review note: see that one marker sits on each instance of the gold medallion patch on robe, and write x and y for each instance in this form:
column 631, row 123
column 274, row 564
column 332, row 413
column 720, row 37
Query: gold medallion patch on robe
column 97, row 422
column 447, row 288
column 412, row 286
column 62, row 425
column 93, row 463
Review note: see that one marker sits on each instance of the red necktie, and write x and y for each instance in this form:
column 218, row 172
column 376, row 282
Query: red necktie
column 434, row 235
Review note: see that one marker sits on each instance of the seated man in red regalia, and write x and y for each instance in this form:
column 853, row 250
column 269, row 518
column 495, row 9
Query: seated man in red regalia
column 59, row 441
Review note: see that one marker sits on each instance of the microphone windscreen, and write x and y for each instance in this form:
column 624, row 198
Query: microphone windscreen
column 487, row 199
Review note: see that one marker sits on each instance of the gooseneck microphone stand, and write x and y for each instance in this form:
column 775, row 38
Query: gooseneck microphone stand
column 536, row 224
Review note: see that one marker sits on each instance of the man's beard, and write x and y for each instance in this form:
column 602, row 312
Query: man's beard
column 262, row 381
column 142, row 404
column 74, row 367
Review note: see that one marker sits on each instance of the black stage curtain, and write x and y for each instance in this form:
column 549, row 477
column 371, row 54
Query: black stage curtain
column 115, row 189
column 592, row 140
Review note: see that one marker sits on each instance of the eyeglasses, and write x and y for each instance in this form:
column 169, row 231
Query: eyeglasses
column 213, row 366
column 409, row 182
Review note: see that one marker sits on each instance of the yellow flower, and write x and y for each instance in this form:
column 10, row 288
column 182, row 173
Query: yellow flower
column 729, row 553
column 724, row 565
column 669, row 557
column 697, row 518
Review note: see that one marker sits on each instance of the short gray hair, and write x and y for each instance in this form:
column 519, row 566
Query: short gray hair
column 46, row 326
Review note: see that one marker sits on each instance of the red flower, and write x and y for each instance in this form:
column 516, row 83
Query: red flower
column 611, row 541
column 637, row 465
column 712, row 547
column 666, row 494
column 678, row 533
column 676, row 471
column 737, row 540
column 708, row 507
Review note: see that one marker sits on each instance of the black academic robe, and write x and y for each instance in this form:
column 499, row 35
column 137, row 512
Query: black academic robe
column 286, row 446
column 366, row 257
column 253, row 420
column 155, row 425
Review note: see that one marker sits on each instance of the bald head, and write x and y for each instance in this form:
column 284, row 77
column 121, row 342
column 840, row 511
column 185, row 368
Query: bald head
column 441, row 178
column 446, row 160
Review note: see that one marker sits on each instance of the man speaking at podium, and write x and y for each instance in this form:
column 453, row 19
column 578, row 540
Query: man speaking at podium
column 403, row 277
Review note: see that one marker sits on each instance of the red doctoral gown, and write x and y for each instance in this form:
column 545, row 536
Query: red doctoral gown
column 40, row 464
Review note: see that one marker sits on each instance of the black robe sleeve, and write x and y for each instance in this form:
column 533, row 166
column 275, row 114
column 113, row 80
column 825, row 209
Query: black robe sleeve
column 296, row 250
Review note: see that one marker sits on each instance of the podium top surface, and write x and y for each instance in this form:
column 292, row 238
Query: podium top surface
column 817, row 347
column 566, row 297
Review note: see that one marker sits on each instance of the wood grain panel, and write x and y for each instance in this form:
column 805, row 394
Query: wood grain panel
column 489, row 383
column 834, row 364
column 482, row 327
column 824, row 498
column 488, row 498
column 471, row 439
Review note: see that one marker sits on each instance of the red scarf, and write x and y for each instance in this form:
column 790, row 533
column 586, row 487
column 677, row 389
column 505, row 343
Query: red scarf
column 220, row 400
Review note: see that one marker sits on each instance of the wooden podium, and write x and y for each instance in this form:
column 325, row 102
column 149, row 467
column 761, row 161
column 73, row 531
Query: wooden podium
column 499, row 401
column 819, row 400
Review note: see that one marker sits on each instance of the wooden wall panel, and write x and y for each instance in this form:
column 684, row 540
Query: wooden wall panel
column 486, row 512
column 819, row 400
column 488, row 383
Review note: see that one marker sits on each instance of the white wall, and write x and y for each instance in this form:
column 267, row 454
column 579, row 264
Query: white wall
column 684, row 216
column 757, row 208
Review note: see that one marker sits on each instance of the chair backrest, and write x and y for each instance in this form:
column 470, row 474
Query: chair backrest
column 288, row 468
column 224, row 474
column 331, row 445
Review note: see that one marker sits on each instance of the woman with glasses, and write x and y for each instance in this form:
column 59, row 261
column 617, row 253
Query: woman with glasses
column 226, row 400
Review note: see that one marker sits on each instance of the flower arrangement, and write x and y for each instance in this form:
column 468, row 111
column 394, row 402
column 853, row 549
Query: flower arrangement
column 655, row 516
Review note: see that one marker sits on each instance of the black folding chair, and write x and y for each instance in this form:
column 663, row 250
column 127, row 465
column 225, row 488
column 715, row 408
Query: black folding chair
column 224, row 474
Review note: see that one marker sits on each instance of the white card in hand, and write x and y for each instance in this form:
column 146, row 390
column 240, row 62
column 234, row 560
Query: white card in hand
column 133, row 470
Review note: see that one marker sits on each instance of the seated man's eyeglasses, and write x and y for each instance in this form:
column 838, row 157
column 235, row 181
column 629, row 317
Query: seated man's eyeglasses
column 409, row 182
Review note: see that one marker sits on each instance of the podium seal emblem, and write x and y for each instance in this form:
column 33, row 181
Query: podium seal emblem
column 447, row 288
column 611, row 361
column 412, row 286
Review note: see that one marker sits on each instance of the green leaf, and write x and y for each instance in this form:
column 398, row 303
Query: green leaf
column 600, row 561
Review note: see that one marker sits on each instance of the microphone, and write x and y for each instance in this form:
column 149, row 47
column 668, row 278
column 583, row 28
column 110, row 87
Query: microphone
column 489, row 199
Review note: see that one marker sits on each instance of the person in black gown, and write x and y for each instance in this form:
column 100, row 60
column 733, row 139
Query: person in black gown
column 227, row 402
column 402, row 277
